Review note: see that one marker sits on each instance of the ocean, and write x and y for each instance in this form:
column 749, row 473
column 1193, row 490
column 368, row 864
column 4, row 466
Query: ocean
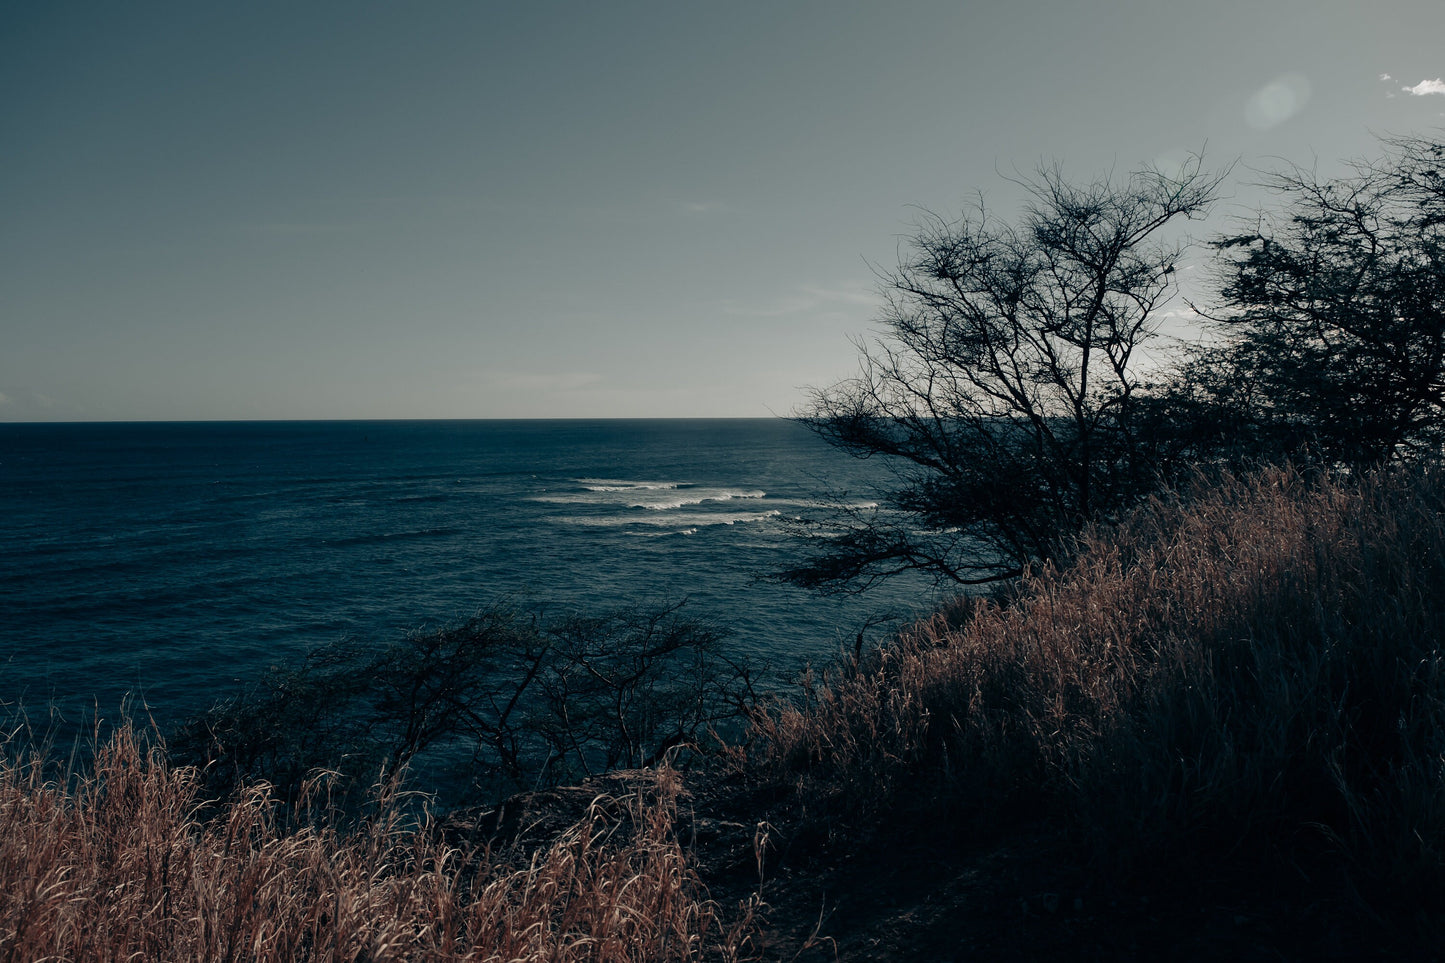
column 171, row 563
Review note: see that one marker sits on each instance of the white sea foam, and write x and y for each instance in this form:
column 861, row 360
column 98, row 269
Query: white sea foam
column 684, row 531
column 656, row 498
column 815, row 504
column 694, row 496
column 693, row 520
column 622, row 485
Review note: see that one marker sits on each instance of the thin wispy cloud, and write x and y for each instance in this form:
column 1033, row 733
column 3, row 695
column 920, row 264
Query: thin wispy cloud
column 1385, row 77
column 1426, row 87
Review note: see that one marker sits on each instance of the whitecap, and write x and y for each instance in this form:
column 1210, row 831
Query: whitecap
column 653, row 499
column 622, row 485
column 815, row 504
column 696, row 496
column 692, row 520
column 683, row 531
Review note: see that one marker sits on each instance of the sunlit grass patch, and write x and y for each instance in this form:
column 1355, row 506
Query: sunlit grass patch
column 117, row 865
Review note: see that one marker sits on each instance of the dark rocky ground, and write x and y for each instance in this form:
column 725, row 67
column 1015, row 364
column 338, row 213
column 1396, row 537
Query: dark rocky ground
column 916, row 896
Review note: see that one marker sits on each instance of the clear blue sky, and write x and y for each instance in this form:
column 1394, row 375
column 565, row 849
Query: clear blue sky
column 397, row 210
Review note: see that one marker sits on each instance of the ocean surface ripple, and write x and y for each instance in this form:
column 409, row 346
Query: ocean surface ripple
column 174, row 562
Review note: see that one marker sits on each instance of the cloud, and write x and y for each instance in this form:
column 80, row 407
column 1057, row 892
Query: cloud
column 1277, row 101
column 4, row 400
column 1436, row 86
column 1384, row 77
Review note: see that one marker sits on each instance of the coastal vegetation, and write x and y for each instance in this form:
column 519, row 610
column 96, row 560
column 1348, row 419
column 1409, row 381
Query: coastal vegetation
column 1198, row 692
column 120, row 865
column 1022, row 385
column 1243, row 681
column 505, row 700
column 1008, row 390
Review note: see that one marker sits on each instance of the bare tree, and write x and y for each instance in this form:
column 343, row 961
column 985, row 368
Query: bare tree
column 1006, row 387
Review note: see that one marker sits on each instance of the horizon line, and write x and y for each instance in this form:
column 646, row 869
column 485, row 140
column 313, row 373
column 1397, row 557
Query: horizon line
column 292, row 421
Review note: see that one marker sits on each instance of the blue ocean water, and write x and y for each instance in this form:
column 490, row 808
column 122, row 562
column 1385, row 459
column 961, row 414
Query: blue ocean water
column 176, row 561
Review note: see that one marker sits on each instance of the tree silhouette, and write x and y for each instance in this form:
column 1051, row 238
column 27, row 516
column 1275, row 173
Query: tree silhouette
column 1332, row 309
column 1006, row 391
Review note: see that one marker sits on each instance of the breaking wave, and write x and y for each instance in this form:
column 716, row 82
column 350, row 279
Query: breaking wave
column 680, row 520
column 619, row 485
column 653, row 496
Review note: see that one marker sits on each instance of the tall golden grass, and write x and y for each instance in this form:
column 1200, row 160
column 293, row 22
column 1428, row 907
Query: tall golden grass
column 1256, row 667
column 119, row 866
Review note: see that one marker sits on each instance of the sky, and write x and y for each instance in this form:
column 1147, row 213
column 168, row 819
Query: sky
column 324, row 210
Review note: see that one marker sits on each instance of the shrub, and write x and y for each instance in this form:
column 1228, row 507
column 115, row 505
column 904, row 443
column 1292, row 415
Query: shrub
column 501, row 701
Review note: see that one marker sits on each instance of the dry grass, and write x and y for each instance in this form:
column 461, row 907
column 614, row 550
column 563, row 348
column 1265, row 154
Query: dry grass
column 118, row 866
column 1257, row 668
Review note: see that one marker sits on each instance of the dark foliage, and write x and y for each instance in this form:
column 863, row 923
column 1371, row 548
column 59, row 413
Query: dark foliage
column 504, row 700
column 1332, row 312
